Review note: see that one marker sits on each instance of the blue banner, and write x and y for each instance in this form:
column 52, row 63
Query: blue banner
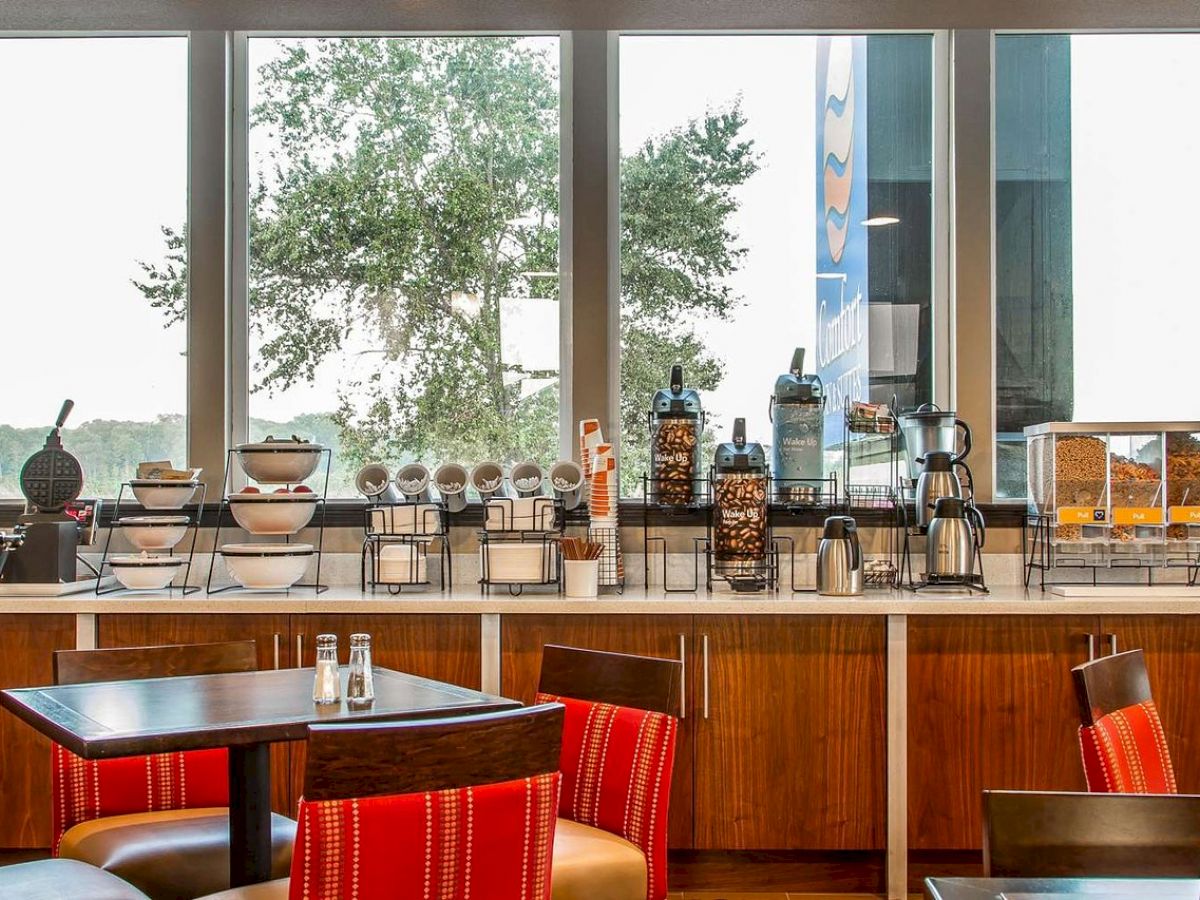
column 841, row 293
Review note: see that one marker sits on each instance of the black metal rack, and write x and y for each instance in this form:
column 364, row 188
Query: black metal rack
column 114, row 523
column 886, row 498
column 701, row 502
column 500, row 510
column 430, row 521
column 1041, row 554
column 223, row 508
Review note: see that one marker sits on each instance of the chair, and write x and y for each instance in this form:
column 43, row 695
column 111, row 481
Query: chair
column 1121, row 738
column 63, row 879
column 447, row 808
column 160, row 822
column 1030, row 834
column 617, row 759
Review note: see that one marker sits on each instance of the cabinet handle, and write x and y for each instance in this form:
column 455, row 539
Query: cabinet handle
column 682, row 676
column 275, row 650
column 704, row 645
column 1112, row 643
column 299, row 651
column 1091, row 646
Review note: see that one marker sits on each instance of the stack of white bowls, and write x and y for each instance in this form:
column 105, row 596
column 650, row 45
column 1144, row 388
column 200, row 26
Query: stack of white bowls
column 153, row 567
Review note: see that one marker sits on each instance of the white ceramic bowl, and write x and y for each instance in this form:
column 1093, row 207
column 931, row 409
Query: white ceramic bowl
column 273, row 513
column 153, row 532
column 158, row 493
column 279, row 462
column 267, row 566
column 146, row 573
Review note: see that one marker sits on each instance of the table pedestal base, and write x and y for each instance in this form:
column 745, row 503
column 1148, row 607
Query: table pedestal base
column 249, row 814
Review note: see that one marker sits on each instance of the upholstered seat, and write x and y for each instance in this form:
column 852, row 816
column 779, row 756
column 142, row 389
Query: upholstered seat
column 63, row 879
column 593, row 864
column 268, row 890
column 170, row 854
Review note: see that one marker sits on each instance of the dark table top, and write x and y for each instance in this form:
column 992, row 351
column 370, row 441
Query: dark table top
column 158, row 715
column 1059, row 888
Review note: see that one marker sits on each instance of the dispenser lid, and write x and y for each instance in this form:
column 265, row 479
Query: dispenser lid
column 739, row 456
column 929, row 412
column 796, row 387
column 676, row 401
column 937, row 461
column 949, row 508
column 837, row 527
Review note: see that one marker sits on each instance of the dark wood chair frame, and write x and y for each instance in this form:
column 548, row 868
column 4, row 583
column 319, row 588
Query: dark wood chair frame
column 1110, row 683
column 1033, row 834
column 621, row 679
column 352, row 760
column 163, row 661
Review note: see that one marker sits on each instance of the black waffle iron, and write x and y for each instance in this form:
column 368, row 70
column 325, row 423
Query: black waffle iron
column 51, row 481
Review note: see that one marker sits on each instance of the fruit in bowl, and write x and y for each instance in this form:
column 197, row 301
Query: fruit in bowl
column 280, row 512
column 285, row 461
column 267, row 566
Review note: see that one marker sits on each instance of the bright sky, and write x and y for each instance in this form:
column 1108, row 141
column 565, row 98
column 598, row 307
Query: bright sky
column 94, row 162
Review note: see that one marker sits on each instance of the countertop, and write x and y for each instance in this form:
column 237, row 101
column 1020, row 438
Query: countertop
column 1003, row 600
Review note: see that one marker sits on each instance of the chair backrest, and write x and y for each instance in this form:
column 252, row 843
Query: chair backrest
column 164, row 661
column 1030, row 834
column 620, row 679
column 1110, row 683
column 457, row 807
column 371, row 759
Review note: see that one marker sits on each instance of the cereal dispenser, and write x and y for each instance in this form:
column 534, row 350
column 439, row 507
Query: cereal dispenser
column 797, row 413
column 676, row 427
column 740, row 476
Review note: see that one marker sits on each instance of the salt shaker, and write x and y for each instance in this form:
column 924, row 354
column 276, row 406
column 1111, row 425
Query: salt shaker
column 360, row 687
column 327, row 684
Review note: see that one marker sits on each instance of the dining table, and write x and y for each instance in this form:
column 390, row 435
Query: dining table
column 245, row 712
column 1090, row 888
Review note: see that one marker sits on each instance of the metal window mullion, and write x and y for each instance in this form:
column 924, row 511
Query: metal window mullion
column 208, row 130
column 566, row 380
column 239, row 247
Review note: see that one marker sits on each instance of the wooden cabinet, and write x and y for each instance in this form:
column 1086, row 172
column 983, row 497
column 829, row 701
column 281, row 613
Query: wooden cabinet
column 990, row 705
column 29, row 641
column 269, row 632
column 522, row 638
column 1171, row 646
column 789, row 732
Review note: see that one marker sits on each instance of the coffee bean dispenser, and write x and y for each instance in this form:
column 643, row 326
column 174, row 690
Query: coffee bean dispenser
column 676, row 426
column 740, row 477
column 797, row 413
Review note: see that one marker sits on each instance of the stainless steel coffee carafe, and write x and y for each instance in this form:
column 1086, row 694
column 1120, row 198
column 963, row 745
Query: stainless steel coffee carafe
column 840, row 559
column 939, row 479
column 950, row 543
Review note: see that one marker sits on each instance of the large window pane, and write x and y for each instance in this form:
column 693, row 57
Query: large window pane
column 93, row 201
column 1096, row 194
column 729, row 249
column 404, row 247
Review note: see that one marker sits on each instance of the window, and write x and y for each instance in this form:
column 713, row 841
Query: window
column 93, row 181
column 1096, row 196
column 741, row 239
column 403, row 283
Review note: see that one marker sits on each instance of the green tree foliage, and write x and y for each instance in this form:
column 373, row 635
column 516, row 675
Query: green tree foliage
column 410, row 187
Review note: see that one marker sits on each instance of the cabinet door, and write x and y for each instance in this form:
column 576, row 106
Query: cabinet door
column 441, row 647
column 790, row 754
column 1172, row 651
column 24, row 754
column 269, row 632
column 990, row 705
column 523, row 636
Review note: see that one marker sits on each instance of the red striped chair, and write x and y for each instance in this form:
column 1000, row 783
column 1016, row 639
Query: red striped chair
column 458, row 809
column 617, row 758
column 1121, row 738
column 160, row 822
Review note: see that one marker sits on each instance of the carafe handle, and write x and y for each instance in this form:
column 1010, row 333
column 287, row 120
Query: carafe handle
column 966, row 430
column 974, row 515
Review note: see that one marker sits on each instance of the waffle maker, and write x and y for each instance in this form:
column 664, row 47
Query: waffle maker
column 54, row 523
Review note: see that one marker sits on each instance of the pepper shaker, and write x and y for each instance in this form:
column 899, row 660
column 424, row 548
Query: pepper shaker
column 327, row 683
column 360, row 687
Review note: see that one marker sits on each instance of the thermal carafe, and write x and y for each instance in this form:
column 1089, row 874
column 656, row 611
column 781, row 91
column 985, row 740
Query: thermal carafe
column 740, row 503
column 951, row 538
column 939, row 478
column 676, row 421
column 839, row 559
column 797, row 413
